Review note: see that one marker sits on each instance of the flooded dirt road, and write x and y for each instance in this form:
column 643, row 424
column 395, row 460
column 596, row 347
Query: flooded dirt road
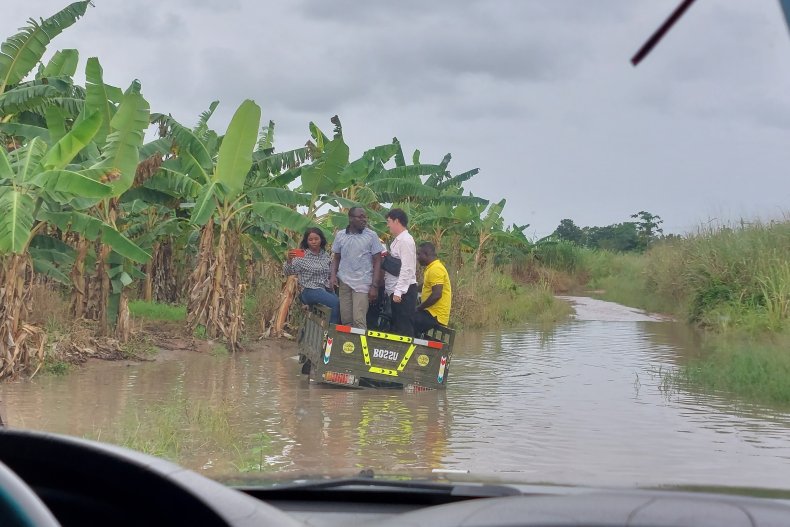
column 581, row 402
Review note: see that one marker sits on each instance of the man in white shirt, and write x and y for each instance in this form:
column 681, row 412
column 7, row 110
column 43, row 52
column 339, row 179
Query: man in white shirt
column 402, row 288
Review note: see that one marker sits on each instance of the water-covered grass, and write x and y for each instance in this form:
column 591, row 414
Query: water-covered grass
column 155, row 311
column 756, row 369
column 192, row 433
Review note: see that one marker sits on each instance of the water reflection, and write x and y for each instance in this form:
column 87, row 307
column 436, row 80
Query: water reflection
column 576, row 403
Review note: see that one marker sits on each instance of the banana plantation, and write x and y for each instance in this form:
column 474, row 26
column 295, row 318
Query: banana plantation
column 104, row 200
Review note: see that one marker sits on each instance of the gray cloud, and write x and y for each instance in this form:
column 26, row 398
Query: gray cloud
column 537, row 94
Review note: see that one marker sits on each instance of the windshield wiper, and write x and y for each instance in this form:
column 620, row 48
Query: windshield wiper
column 465, row 490
column 367, row 488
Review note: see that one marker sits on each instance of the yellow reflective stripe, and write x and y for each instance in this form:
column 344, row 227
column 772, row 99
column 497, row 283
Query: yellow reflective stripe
column 406, row 357
column 365, row 353
column 387, row 336
column 383, row 371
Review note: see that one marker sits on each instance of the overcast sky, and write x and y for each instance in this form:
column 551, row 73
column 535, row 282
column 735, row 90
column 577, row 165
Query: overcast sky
column 539, row 94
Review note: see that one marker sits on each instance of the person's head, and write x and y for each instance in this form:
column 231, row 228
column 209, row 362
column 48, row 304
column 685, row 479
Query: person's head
column 313, row 239
column 397, row 221
column 357, row 219
column 426, row 253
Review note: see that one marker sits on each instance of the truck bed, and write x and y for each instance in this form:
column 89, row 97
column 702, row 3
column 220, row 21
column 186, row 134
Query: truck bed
column 355, row 358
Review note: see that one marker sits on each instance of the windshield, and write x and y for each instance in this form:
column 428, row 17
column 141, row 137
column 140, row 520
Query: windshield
column 460, row 240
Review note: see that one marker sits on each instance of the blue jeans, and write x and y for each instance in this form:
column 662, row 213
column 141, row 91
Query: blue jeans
column 322, row 296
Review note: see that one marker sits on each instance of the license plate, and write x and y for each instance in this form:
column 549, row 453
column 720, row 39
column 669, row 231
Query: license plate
column 386, row 354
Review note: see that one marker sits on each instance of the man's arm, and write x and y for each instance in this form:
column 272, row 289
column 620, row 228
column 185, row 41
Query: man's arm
column 333, row 270
column 408, row 270
column 373, row 293
column 436, row 294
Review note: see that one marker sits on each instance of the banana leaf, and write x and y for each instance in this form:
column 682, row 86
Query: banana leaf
column 235, row 154
column 25, row 161
column 173, row 183
column 65, row 150
column 48, row 267
column 18, row 100
column 283, row 196
column 16, row 221
column 282, row 217
column 21, row 53
column 202, row 125
column 70, row 183
column 97, row 99
column 91, row 228
column 322, row 176
column 120, row 155
column 28, row 131
column 205, row 204
column 63, row 63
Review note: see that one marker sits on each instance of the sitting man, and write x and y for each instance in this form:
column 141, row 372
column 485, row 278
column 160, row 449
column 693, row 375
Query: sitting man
column 436, row 291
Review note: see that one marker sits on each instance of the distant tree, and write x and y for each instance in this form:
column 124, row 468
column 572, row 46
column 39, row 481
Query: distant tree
column 621, row 237
column 648, row 228
column 567, row 230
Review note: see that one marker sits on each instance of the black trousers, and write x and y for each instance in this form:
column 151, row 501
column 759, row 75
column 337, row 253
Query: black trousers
column 403, row 311
column 423, row 321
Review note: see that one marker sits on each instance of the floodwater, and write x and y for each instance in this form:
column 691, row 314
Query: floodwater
column 582, row 403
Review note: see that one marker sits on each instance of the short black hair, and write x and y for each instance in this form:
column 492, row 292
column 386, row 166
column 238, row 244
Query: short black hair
column 310, row 231
column 429, row 248
column 398, row 214
column 352, row 209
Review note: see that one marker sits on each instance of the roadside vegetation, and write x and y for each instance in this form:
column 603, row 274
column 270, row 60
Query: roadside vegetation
column 495, row 297
column 104, row 232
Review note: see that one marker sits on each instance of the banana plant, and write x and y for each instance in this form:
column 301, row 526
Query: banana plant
column 35, row 180
column 438, row 221
column 240, row 202
column 226, row 207
column 484, row 228
column 332, row 180
column 111, row 157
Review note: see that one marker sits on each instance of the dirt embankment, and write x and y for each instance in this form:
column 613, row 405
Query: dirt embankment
column 150, row 341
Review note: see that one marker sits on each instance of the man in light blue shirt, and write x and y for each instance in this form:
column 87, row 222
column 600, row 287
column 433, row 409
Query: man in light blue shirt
column 356, row 268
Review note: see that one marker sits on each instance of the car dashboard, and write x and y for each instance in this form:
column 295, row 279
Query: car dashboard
column 47, row 479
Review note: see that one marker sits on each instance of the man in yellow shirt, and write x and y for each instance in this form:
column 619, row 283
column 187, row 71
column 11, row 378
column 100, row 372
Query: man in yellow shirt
column 436, row 291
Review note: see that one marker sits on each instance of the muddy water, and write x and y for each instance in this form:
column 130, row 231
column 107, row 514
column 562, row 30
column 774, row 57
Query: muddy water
column 581, row 402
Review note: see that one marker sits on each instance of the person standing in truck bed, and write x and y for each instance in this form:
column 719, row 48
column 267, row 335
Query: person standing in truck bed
column 402, row 288
column 437, row 293
column 356, row 268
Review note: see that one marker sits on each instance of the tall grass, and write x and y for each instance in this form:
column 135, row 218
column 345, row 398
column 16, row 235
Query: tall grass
column 491, row 298
column 729, row 278
column 720, row 278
